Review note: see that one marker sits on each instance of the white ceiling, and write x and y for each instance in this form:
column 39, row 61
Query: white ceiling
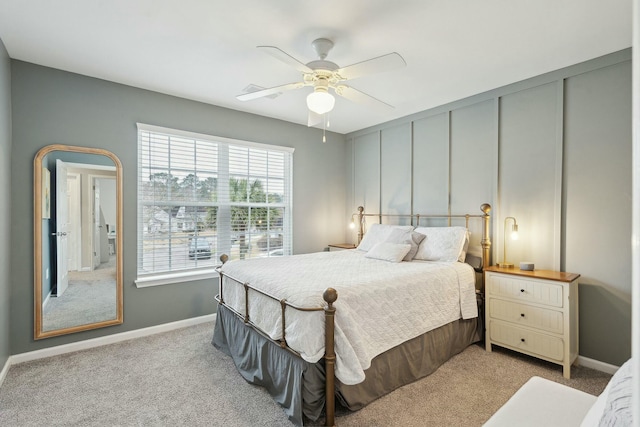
column 205, row 49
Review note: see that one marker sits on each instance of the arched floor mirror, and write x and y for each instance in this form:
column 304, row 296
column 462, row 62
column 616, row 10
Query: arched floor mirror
column 77, row 240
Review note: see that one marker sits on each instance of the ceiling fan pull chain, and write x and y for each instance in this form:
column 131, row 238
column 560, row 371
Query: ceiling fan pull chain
column 324, row 128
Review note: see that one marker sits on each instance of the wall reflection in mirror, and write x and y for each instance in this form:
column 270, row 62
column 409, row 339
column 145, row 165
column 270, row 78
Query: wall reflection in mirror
column 78, row 249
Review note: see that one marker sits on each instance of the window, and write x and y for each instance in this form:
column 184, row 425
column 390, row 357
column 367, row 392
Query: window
column 201, row 196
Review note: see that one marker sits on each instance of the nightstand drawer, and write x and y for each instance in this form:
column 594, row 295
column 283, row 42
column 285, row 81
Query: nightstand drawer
column 527, row 341
column 526, row 290
column 526, row 315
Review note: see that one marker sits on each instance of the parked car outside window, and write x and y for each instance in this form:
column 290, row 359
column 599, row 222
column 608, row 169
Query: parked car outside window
column 199, row 248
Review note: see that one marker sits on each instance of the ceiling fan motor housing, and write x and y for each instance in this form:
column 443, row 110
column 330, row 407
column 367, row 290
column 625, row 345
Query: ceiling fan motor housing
column 321, row 64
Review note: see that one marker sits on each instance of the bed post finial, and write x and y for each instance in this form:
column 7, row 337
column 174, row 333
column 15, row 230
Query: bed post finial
column 330, row 296
column 223, row 258
column 486, row 240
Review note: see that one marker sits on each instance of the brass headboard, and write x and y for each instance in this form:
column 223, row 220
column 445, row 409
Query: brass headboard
column 485, row 242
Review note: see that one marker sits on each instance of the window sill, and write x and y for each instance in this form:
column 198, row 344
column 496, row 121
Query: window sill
column 172, row 278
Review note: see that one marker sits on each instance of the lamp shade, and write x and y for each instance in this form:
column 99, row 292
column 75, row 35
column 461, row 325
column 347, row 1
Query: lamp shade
column 320, row 101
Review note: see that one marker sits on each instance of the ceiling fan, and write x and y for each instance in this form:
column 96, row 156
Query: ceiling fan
column 324, row 76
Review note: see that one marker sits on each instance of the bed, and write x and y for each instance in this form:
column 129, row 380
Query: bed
column 407, row 303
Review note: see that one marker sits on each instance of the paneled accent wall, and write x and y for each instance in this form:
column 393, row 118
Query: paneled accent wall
column 554, row 152
column 473, row 160
column 367, row 179
column 527, row 179
column 395, row 169
column 431, row 164
column 597, row 201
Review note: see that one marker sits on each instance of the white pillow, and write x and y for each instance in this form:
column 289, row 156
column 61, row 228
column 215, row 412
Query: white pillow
column 613, row 404
column 392, row 252
column 442, row 243
column 465, row 247
column 407, row 236
column 379, row 233
column 617, row 410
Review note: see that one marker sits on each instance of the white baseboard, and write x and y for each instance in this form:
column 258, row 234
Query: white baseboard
column 5, row 370
column 597, row 365
column 108, row 339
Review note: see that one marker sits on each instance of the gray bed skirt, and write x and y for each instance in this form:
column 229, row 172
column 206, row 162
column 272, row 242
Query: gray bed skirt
column 298, row 386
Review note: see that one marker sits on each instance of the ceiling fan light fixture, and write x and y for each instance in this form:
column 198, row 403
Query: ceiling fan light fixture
column 320, row 101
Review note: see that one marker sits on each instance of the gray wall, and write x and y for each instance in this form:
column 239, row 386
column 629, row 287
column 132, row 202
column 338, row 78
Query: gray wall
column 5, row 203
column 554, row 152
column 52, row 106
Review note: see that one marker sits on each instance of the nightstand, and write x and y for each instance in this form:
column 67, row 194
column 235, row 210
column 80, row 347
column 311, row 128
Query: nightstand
column 533, row 312
column 341, row 247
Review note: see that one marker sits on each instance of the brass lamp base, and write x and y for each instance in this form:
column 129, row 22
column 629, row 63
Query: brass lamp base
column 505, row 265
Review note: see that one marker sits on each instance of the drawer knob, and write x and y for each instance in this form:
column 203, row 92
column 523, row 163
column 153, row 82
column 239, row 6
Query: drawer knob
column 521, row 290
column 521, row 314
column 522, row 339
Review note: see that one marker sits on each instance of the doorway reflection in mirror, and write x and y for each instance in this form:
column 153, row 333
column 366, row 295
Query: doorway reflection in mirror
column 88, row 294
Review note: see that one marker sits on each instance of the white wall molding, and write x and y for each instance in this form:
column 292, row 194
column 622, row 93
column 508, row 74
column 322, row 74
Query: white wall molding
column 5, row 370
column 98, row 342
column 597, row 365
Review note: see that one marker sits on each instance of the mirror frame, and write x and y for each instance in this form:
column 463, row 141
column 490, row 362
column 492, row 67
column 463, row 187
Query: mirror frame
column 38, row 333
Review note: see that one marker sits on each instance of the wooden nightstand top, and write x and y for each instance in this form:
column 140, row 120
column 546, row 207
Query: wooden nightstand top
column 343, row 245
column 537, row 274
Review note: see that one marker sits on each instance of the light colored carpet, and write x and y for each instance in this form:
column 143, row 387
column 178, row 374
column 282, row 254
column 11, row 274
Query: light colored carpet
column 179, row 379
column 90, row 298
column 84, row 301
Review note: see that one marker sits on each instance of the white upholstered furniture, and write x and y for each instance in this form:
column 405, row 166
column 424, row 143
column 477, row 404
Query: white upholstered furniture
column 543, row 403
column 540, row 402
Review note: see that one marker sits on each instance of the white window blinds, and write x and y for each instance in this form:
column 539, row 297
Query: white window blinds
column 200, row 196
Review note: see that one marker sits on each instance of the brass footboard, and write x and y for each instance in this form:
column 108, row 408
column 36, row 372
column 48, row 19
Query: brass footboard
column 330, row 296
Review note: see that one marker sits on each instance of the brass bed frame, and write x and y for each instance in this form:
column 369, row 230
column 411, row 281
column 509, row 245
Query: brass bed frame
column 330, row 296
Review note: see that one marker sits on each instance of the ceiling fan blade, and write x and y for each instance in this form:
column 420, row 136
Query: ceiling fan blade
column 314, row 119
column 270, row 91
column 286, row 58
column 360, row 97
column 380, row 64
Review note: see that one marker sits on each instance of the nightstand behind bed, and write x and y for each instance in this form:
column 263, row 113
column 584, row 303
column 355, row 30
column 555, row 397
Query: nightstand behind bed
column 341, row 246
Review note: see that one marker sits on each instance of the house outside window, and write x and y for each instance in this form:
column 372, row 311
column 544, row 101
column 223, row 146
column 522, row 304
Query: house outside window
column 200, row 196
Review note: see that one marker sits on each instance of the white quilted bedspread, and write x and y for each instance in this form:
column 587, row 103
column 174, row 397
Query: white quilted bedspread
column 380, row 304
